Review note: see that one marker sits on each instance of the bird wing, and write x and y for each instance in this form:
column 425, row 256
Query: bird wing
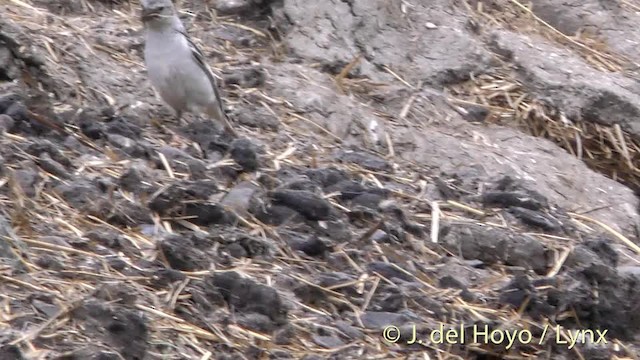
column 199, row 58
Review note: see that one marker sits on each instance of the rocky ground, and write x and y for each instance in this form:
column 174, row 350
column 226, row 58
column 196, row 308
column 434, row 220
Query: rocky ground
column 412, row 164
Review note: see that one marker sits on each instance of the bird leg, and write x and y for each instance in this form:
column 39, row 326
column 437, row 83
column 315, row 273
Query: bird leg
column 179, row 118
column 229, row 128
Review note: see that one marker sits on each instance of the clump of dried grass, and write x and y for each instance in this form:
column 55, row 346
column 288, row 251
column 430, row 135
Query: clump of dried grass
column 516, row 16
column 606, row 149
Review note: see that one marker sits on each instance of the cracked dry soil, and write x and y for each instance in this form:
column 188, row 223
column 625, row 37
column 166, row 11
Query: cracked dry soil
column 126, row 236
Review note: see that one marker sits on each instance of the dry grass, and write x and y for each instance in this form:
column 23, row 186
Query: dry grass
column 606, row 149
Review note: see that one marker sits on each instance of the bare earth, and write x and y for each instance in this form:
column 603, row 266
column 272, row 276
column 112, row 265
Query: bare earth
column 402, row 165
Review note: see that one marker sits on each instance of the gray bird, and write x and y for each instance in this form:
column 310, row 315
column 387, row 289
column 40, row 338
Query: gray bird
column 176, row 67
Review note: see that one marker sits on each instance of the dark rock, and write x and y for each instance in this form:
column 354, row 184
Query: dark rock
column 124, row 127
column 350, row 331
column 254, row 247
column 256, row 322
column 310, row 295
column 368, row 200
column 80, row 194
column 507, row 199
column 583, row 258
column 389, row 271
column 302, row 183
column 367, row 161
column 379, row 320
column 117, row 264
column 246, row 246
column 106, row 355
column 122, row 329
column 9, row 240
column 336, row 229
column 363, row 217
column 208, row 135
column 445, row 190
column 519, row 291
column 40, row 146
column 308, row 204
column 450, row 282
column 258, row 117
column 181, row 161
column 602, row 247
column 280, row 354
column 181, row 254
column 326, row 176
column 22, row 120
column 236, row 250
column 170, row 199
column 284, row 336
column 45, row 306
column 493, row 245
column 27, row 178
column 245, row 153
column 208, row 213
column 129, row 146
column 11, row 352
column 613, row 309
column 120, row 293
column 475, row 113
column 348, row 189
column 49, row 262
column 239, row 198
column 388, row 300
column 134, row 178
column 247, row 78
column 268, row 181
column 53, row 167
column 313, row 246
column 536, row 218
column 327, row 342
column 6, row 100
column 91, row 124
column 276, row 215
column 252, row 352
column 164, row 277
column 246, row 296
column 312, row 357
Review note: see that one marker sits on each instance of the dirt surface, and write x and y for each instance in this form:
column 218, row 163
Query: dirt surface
column 413, row 164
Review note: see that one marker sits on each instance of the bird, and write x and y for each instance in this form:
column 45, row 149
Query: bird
column 176, row 67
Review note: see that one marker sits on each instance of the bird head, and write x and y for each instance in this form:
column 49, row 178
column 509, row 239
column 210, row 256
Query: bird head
column 157, row 11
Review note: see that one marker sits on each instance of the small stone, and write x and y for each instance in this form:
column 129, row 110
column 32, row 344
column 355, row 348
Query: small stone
column 182, row 255
column 308, row 204
column 239, row 198
column 6, row 123
column 328, row 342
column 536, row 218
column 236, row 250
column 126, row 144
column 366, row 160
column 53, row 167
column 247, row 78
column 378, row 320
column 312, row 247
column 245, row 153
column 389, row 271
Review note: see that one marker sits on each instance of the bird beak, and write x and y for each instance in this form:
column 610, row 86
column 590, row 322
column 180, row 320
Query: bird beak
column 148, row 14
